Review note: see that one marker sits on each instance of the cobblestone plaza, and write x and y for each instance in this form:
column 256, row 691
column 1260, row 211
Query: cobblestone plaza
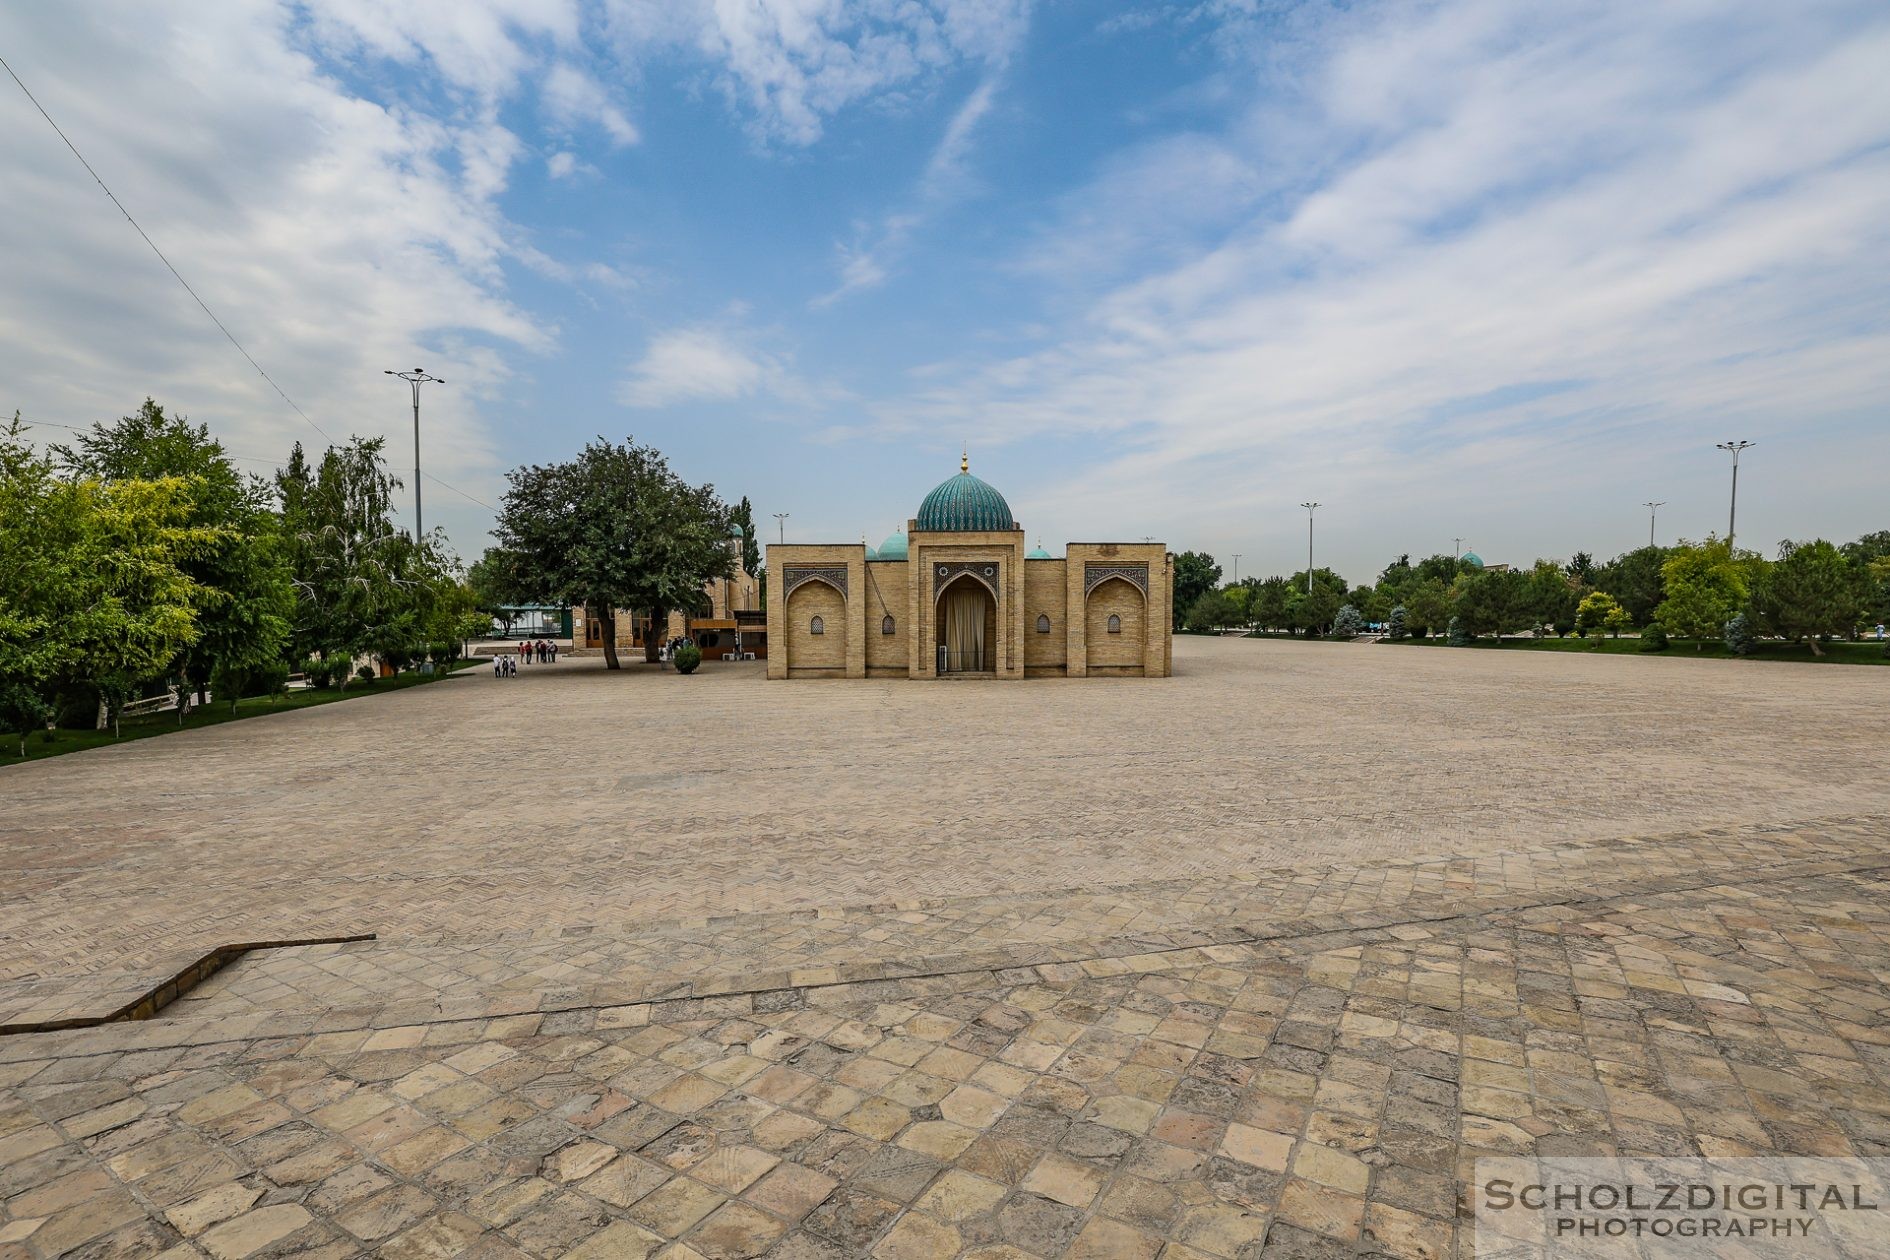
column 1256, row 959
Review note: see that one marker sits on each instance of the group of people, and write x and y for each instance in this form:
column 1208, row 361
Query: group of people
column 545, row 651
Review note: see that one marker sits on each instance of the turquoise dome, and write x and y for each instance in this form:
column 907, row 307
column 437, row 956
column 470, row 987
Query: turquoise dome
column 964, row 504
column 1039, row 554
column 1472, row 559
column 894, row 548
column 870, row 553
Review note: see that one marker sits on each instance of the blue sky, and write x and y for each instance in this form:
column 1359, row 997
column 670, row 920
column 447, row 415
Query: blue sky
column 1499, row 271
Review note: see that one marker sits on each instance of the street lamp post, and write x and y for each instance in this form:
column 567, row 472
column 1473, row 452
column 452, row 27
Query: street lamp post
column 416, row 379
column 1732, row 513
column 1652, row 507
column 1458, row 544
column 1310, row 509
column 1236, row 568
column 780, row 519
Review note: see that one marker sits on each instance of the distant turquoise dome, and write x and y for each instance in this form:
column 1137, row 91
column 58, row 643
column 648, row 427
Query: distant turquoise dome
column 1472, row 559
column 870, row 553
column 1040, row 553
column 894, row 548
column 964, row 505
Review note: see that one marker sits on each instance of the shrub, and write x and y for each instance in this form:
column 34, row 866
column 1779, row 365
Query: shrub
column 1455, row 635
column 320, row 674
column 687, row 657
column 1654, row 638
column 1347, row 624
column 1740, row 640
column 366, row 675
column 1395, row 625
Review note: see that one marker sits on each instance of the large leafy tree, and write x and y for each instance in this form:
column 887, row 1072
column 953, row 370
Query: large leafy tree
column 1491, row 601
column 37, row 583
column 1812, row 590
column 1427, row 606
column 1552, row 592
column 244, row 596
column 612, row 529
column 1268, row 606
column 1635, row 580
column 1704, row 587
column 361, row 585
column 1195, row 575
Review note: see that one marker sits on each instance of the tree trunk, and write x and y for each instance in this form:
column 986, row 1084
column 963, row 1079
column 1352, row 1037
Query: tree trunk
column 104, row 714
column 652, row 642
column 607, row 624
column 1812, row 639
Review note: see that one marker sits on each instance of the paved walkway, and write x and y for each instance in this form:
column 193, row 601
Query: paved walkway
column 1259, row 960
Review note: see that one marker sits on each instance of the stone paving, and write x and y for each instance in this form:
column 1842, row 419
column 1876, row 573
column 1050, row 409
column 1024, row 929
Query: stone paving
column 571, row 797
column 1125, row 1034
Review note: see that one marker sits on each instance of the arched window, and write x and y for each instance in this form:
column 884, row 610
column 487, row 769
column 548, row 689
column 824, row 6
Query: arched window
column 817, row 626
column 886, row 624
column 1115, row 624
column 1043, row 623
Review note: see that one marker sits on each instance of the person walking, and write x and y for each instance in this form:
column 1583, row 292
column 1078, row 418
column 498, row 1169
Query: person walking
column 554, row 651
column 498, row 665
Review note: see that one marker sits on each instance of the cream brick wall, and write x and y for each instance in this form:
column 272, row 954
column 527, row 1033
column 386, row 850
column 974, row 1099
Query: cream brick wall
column 886, row 590
column 1044, row 595
column 817, row 653
column 1120, row 652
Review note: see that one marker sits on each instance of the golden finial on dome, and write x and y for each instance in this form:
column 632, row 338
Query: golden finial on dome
column 964, row 461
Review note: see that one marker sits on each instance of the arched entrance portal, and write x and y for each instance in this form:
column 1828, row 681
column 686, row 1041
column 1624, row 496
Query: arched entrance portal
column 967, row 627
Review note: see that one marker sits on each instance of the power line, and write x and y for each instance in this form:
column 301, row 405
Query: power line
column 221, row 327
column 160, row 253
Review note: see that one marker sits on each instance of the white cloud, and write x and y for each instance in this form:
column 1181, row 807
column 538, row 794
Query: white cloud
column 1492, row 237
column 706, row 363
column 333, row 235
column 572, row 96
column 791, row 64
column 866, row 263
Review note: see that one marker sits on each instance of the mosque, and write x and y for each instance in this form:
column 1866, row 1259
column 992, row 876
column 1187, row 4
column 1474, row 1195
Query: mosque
column 957, row 595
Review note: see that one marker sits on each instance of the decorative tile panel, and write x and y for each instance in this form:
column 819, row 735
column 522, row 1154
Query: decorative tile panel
column 793, row 575
column 987, row 571
column 1095, row 575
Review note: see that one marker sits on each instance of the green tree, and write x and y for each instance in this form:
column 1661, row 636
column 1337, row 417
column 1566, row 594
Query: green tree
column 1704, row 587
column 1490, row 601
column 361, row 585
column 1211, row 611
column 1580, row 568
column 1812, row 591
column 1347, row 623
column 743, row 518
column 1397, row 626
column 1238, row 598
column 1596, row 611
column 1427, row 606
column 36, row 583
column 1267, row 606
column 1195, row 575
column 613, row 528
column 1444, row 568
column 1551, row 595
column 245, row 599
column 1314, row 611
column 1636, row 582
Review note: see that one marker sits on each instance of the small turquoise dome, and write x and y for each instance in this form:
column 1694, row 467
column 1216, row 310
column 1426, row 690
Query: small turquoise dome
column 965, row 504
column 1472, row 559
column 870, row 553
column 1040, row 553
column 894, row 548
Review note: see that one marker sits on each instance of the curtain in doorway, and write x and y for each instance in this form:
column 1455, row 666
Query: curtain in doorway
column 964, row 627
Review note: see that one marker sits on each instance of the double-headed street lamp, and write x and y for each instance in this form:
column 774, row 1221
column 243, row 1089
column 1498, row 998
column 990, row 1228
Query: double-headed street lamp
column 780, row 519
column 1310, row 509
column 417, row 378
column 1732, row 513
column 1652, row 507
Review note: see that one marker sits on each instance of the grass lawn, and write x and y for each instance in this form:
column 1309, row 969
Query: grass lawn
column 39, row 745
column 1867, row 653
